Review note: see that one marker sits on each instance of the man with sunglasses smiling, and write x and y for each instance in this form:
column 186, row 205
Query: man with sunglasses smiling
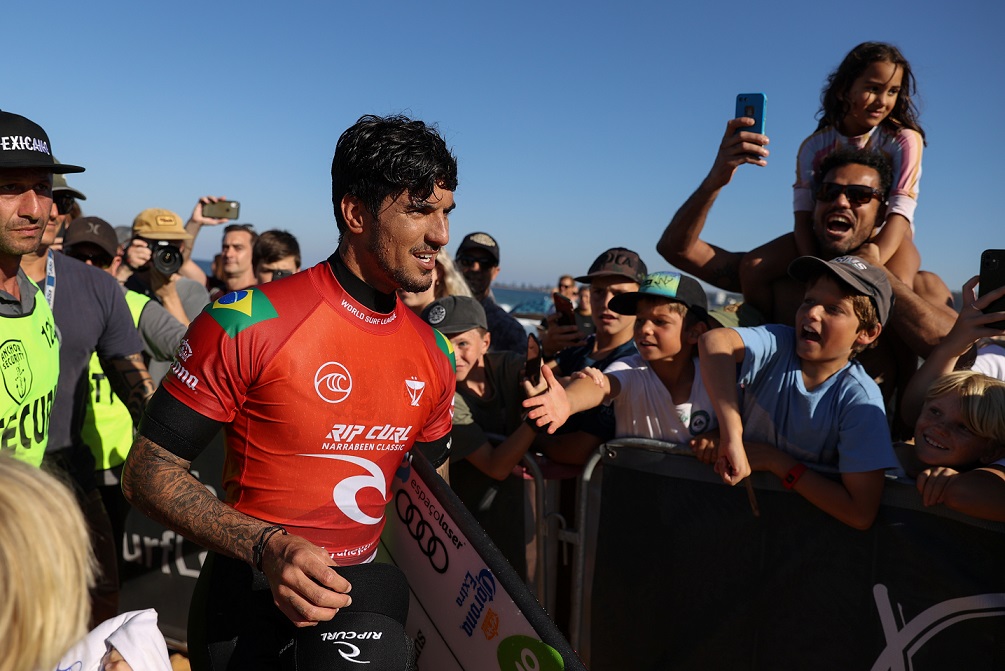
column 478, row 258
column 850, row 201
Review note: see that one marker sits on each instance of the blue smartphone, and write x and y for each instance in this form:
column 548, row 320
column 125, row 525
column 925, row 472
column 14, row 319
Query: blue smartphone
column 755, row 106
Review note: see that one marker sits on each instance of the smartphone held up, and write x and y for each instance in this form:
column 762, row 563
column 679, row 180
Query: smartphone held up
column 565, row 310
column 222, row 209
column 993, row 277
column 754, row 106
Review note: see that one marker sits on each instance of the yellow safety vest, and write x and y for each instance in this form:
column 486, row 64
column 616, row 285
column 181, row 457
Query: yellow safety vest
column 29, row 364
column 108, row 426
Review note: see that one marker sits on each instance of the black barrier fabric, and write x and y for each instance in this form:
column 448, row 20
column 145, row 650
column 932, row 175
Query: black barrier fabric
column 687, row 578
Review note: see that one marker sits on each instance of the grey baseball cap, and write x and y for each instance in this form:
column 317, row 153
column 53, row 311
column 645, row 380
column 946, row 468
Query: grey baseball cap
column 862, row 277
column 455, row 314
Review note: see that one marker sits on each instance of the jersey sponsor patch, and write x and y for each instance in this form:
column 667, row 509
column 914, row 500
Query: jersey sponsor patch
column 443, row 342
column 240, row 309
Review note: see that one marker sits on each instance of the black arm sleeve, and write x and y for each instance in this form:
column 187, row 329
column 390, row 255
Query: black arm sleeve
column 176, row 427
column 436, row 452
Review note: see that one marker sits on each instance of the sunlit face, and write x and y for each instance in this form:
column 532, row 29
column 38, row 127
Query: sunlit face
column 659, row 329
column 469, row 348
column 25, row 206
column 826, row 325
column 417, row 300
column 404, row 238
column 479, row 269
column 602, row 290
column 236, row 253
column 941, row 437
column 567, row 287
column 840, row 226
column 872, row 97
column 265, row 272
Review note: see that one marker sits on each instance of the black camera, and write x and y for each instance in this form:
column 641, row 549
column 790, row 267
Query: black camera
column 166, row 258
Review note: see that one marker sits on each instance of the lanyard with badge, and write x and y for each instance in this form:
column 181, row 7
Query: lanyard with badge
column 50, row 289
column 50, row 278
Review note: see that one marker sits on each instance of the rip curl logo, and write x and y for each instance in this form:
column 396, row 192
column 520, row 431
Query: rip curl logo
column 415, row 389
column 16, row 371
column 351, row 651
column 332, row 382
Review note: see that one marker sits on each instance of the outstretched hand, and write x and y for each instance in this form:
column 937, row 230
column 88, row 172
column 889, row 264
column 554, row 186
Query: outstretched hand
column 551, row 409
column 304, row 585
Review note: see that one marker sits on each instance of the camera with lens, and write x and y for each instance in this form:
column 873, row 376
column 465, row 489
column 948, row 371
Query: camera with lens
column 166, row 258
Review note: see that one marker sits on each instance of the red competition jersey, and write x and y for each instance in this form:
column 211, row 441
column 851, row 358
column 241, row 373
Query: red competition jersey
column 323, row 397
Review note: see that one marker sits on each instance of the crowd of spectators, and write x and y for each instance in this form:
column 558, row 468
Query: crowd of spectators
column 816, row 380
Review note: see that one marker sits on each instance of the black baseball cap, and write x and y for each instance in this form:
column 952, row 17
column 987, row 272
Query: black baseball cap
column 23, row 144
column 451, row 315
column 482, row 241
column 93, row 230
column 678, row 288
column 619, row 262
column 861, row 276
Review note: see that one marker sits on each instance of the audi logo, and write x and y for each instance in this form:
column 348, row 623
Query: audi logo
column 430, row 546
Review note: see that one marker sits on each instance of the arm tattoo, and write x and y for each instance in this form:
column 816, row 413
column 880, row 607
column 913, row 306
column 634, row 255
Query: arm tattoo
column 131, row 382
column 160, row 485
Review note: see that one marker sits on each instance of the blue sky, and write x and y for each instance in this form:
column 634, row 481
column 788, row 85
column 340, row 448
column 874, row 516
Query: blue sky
column 578, row 126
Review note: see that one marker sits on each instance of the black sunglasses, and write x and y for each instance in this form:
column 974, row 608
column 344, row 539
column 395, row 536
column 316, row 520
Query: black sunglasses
column 856, row 193
column 64, row 202
column 99, row 259
column 468, row 261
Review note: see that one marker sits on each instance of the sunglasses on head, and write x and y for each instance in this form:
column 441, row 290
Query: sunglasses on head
column 64, row 202
column 856, row 193
column 468, row 261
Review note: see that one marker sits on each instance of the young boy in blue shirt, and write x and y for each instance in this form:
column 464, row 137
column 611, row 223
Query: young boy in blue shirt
column 801, row 404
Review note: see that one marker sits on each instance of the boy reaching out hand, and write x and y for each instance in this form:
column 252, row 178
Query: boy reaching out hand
column 801, row 404
column 657, row 393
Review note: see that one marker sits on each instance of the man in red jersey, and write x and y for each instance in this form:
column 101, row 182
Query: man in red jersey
column 322, row 380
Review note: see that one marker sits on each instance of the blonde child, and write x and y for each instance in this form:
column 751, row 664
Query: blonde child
column 958, row 455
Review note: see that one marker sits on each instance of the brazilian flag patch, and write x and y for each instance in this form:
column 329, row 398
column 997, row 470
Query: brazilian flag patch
column 447, row 348
column 240, row 309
